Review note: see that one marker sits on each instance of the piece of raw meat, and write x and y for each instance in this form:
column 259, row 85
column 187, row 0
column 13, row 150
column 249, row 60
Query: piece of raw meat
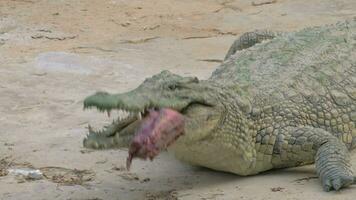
column 157, row 131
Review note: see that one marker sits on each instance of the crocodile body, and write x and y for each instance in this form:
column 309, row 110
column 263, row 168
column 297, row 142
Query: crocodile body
column 278, row 100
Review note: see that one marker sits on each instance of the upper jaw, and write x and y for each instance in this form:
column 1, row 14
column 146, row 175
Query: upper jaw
column 134, row 104
column 128, row 104
column 105, row 102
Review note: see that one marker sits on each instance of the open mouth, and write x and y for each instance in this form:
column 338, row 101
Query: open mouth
column 150, row 124
column 158, row 130
column 147, row 132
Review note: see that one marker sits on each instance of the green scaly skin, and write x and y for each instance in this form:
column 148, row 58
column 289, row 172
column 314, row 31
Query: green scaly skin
column 278, row 100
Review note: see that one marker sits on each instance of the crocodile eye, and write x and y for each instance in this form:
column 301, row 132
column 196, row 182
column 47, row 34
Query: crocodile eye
column 172, row 87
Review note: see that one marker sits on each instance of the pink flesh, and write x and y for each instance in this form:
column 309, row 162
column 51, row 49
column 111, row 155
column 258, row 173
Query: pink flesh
column 158, row 130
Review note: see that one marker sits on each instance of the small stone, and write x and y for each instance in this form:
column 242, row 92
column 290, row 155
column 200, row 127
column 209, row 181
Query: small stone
column 145, row 180
column 34, row 176
column 277, row 189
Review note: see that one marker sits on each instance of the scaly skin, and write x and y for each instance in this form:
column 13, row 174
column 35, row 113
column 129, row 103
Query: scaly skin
column 281, row 100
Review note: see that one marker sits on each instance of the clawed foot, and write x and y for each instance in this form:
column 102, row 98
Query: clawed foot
column 337, row 182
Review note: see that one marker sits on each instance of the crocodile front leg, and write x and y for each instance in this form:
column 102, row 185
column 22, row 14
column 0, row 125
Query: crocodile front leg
column 333, row 165
column 297, row 146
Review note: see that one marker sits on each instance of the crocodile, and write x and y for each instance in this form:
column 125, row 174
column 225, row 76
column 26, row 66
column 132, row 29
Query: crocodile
column 278, row 100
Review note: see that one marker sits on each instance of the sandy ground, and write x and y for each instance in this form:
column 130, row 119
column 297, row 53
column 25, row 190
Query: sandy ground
column 53, row 53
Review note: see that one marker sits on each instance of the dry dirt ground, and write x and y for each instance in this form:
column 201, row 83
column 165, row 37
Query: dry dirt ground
column 53, row 53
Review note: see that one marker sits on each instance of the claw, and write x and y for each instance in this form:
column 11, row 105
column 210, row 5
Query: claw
column 96, row 145
column 327, row 185
column 91, row 131
column 337, row 184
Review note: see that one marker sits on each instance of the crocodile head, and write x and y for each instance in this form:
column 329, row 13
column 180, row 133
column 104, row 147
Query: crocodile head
column 195, row 100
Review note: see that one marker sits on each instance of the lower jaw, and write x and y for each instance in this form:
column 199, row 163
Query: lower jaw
column 119, row 136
